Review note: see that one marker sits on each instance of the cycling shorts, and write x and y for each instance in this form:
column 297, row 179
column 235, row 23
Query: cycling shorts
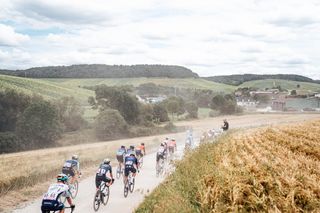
column 68, row 171
column 51, row 205
column 99, row 179
column 120, row 158
column 129, row 169
column 139, row 153
column 171, row 149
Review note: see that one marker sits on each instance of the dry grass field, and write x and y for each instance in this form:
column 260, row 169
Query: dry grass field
column 269, row 169
column 25, row 169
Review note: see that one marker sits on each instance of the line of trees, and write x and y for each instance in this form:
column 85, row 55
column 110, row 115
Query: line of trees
column 30, row 122
column 104, row 71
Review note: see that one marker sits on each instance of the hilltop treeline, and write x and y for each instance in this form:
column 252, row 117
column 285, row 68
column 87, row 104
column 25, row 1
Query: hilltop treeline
column 104, row 71
column 236, row 80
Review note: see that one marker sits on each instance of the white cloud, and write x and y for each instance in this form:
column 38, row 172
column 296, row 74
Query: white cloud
column 210, row 37
column 8, row 37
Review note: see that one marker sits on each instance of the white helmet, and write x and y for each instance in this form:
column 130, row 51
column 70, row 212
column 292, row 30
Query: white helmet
column 74, row 157
column 106, row 161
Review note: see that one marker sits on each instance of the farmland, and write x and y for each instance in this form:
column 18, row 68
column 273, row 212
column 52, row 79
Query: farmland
column 284, row 84
column 269, row 169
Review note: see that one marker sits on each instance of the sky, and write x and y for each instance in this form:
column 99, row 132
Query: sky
column 211, row 37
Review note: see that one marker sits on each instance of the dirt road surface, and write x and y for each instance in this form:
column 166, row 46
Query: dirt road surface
column 146, row 180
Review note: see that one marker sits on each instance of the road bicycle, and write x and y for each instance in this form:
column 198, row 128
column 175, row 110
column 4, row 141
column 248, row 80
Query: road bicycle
column 120, row 171
column 160, row 167
column 140, row 162
column 129, row 185
column 101, row 196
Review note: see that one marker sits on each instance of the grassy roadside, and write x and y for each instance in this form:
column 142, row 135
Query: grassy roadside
column 262, row 170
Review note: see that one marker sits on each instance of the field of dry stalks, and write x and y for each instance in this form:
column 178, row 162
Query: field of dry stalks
column 273, row 169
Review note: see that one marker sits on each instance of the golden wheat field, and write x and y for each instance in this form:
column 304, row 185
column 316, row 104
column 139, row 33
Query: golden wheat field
column 274, row 169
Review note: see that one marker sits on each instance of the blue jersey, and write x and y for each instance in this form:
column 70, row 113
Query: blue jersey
column 104, row 169
column 121, row 151
column 130, row 161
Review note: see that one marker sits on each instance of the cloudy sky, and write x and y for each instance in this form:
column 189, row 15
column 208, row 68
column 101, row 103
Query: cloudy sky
column 211, row 37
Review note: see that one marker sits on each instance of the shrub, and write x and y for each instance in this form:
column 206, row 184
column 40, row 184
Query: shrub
column 109, row 124
column 192, row 109
column 39, row 125
column 9, row 142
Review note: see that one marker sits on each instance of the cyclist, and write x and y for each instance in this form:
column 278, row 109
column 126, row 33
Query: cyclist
column 161, row 153
column 131, row 150
column 131, row 165
column 51, row 199
column 120, row 155
column 172, row 146
column 225, row 126
column 140, row 151
column 101, row 174
column 72, row 168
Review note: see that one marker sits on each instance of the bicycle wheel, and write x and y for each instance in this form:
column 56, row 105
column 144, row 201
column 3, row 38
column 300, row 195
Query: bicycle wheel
column 140, row 162
column 119, row 172
column 131, row 184
column 96, row 201
column 106, row 195
column 126, row 189
column 74, row 189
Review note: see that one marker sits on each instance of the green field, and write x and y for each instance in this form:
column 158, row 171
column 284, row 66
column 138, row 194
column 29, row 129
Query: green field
column 194, row 83
column 289, row 85
column 44, row 88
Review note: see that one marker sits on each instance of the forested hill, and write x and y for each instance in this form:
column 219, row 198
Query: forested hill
column 236, row 80
column 104, row 71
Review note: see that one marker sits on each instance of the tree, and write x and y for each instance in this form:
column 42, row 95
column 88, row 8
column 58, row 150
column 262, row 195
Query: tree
column 12, row 104
column 118, row 99
column 70, row 113
column 160, row 113
column 293, row 92
column 39, row 125
column 224, row 104
column 192, row 109
column 175, row 105
column 109, row 124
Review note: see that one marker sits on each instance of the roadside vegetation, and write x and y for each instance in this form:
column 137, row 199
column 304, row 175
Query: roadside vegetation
column 271, row 169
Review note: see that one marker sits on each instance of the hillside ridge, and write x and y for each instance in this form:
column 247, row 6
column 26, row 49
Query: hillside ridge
column 104, row 71
column 237, row 80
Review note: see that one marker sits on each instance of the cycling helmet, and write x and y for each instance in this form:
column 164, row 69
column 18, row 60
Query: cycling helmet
column 132, row 147
column 132, row 154
column 123, row 147
column 142, row 144
column 62, row 177
column 172, row 139
column 167, row 138
column 106, row 161
column 162, row 144
column 74, row 157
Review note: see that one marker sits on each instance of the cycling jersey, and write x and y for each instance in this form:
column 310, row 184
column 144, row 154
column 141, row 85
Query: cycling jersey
column 130, row 151
column 121, row 151
column 172, row 144
column 101, row 174
column 70, row 166
column 51, row 200
column 130, row 163
column 104, row 169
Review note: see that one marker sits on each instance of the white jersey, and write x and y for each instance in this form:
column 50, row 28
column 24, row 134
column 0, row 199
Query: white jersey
column 56, row 190
column 161, row 150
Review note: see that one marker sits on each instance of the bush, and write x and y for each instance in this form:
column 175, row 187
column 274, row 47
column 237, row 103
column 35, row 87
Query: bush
column 170, row 127
column 109, row 124
column 9, row 142
column 160, row 113
column 192, row 109
column 39, row 125
column 138, row 131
